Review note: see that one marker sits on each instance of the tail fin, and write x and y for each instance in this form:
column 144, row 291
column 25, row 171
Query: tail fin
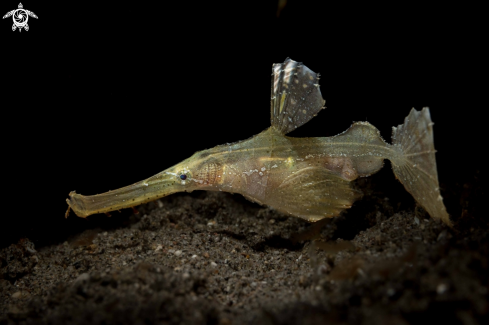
column 415, row 166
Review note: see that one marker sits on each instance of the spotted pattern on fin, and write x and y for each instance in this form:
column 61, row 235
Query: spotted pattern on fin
column 295, row 96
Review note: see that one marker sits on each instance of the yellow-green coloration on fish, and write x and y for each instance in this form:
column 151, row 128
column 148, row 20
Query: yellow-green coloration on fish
column 308, row 178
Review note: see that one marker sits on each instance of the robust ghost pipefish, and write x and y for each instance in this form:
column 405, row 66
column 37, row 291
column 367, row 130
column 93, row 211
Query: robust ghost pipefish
column 310, row 178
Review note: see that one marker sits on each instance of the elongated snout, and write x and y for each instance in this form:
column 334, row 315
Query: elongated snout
column 153, row 188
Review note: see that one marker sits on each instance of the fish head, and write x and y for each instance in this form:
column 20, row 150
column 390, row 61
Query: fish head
column 202, row 171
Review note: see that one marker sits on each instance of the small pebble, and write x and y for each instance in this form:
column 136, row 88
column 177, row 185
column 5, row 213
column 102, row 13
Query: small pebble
column 441, row 288
column 82, row 278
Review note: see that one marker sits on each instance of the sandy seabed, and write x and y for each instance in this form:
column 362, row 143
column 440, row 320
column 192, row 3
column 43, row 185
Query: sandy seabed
column 210, row 257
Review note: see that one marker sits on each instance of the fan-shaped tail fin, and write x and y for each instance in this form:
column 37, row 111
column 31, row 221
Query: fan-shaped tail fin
column 415, row 163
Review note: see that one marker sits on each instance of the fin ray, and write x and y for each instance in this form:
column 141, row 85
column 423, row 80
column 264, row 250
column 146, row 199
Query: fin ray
column 295, row 96
column 415, row 166
column 313, row 193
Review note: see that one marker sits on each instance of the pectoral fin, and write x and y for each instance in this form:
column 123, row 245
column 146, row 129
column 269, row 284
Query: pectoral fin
column 313, row 194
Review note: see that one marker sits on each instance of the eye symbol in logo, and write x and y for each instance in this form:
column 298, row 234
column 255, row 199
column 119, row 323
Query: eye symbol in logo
column 20, row 17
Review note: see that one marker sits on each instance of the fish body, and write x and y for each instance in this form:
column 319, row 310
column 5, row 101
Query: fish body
column 305, row 177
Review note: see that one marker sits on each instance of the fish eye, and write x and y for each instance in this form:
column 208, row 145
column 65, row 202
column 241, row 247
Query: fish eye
column 184, row 175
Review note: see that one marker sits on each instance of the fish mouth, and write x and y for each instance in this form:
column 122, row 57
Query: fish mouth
column 153, row 188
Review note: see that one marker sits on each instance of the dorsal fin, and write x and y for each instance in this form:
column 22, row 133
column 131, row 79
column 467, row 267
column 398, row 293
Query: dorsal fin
column 295, row 96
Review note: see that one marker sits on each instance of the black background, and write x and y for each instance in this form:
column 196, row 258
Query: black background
column 98, row 96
